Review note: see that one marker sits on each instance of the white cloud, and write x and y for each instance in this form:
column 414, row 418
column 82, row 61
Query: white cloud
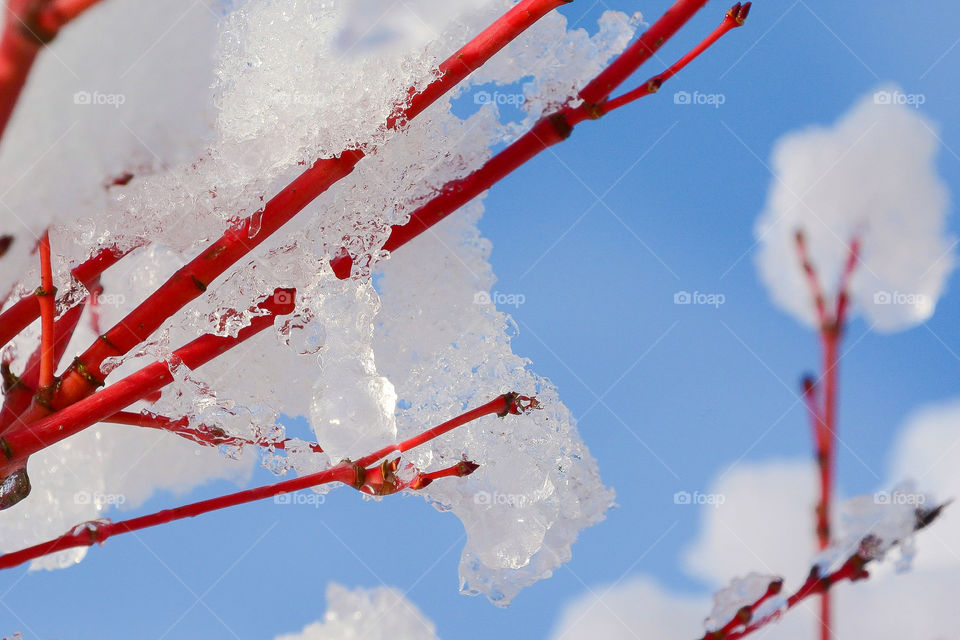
column 870, row 175
column 381, row 613
column 760, row 499
column 637, row 607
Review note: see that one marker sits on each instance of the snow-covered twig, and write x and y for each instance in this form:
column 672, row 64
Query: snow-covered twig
column 211, row 436
column 247, row 233
column 555, row 127
column 378, row 480
column 19, row 444
column 819, row 581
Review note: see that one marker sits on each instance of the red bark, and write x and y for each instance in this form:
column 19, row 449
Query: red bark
column 36, row 435
column 23, row 312
column 191, row 280
column 556, row 126
column 379, row 480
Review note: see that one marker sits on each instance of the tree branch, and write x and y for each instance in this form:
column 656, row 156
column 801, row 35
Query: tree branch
column 551, row 129
column 38, row 434
column 380, row 480
column 191, row 280
column 46, row 295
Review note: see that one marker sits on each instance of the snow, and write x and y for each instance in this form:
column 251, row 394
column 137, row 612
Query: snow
column 874, row 524
column 741, row 592
column 212, row 127
column 871, row 176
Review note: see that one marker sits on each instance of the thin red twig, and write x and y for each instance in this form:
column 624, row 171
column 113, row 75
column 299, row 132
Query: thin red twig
column 98, row 531
column 823, row 414
column 191, row 280
column 46, row 296
column 23, row 312
column 548, row 131
column 379, row 480
column 734, row 18
column 813, row 281
column 501, row 405
column 843, row 289
column 19, row 444
column 20, row 390
column 204, row 434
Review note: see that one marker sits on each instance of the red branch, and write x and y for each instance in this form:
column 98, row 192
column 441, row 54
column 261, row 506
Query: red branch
column 191, row 280
column 20, row 391
column 852, row 570
column 743, row 623
column 812, row 280
column 745, row 614
column 553, row 128
column 46, row 300
column 204, row 434
column 823, row 410
column 23, row 312
column 97, row 531
column 735, row 17
column 37, row 435
column 379, row 480
column 501, row 405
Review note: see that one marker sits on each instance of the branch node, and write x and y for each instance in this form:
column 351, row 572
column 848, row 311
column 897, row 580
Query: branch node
column 517, row 404
column 84, row 372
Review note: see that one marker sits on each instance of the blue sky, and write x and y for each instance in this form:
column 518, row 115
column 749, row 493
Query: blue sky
column 667, row 396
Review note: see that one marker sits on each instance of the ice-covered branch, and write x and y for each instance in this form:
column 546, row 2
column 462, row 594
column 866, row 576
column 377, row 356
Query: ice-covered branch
column 19, row 444
column 752, row 613
column 555, row 127
column 247, row 233
column 379, row 480
column 212, row 436
column 23, row 312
